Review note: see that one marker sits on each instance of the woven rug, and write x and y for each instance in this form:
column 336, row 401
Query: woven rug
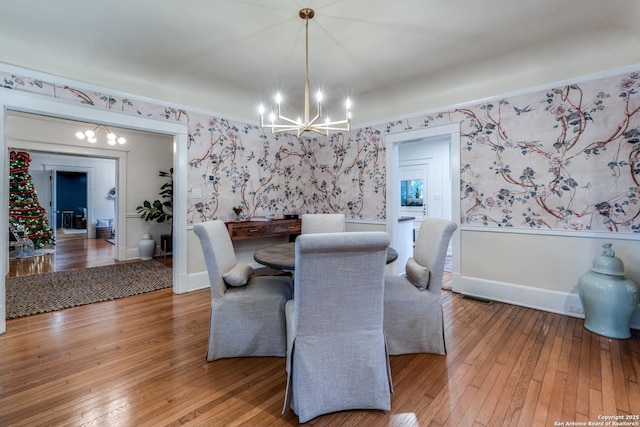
column 42, row 293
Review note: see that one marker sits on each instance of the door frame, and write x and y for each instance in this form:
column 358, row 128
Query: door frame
column 393, row 184
column 36, row 104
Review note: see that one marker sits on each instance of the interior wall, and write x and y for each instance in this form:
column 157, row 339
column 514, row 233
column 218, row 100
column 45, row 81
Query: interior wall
column 538, row 270
column 104, row 179
column 152, row 154
column 245, row 163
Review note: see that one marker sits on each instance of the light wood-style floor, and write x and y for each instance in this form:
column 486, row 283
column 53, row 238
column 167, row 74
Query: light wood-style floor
column 140, row 361
column 72, row 251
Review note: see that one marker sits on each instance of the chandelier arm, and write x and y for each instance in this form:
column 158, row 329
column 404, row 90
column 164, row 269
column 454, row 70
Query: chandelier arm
column 334, row 123
column 285, row 129
column 346, row 129
column 275, row 126
column 288, row 120
column 315, row 119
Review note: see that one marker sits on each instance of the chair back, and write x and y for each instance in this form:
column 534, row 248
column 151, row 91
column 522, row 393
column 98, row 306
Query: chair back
column 218, row 252
column 336, row 353
column 322, row 223
column 431, row 247
column 339, row 281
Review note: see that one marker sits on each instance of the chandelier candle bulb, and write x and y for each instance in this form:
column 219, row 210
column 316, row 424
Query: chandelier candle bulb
column 91, row 134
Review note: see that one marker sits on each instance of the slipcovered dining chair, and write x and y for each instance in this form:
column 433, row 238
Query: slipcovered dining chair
column 413, row 317
column 322, row 223
column 247, row 312
column 336, row 353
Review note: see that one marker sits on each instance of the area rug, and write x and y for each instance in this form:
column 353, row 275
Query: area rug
column 42, row 293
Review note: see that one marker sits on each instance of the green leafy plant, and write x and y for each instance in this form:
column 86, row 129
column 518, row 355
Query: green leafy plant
column 160, row 210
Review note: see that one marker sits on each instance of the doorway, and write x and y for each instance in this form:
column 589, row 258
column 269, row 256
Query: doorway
column 427, row 146
column 77, row 192
column 416, row 187
column 24, row 102
column 70, row 195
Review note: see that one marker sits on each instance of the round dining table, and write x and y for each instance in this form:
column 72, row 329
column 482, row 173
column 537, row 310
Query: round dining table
column 283, row 256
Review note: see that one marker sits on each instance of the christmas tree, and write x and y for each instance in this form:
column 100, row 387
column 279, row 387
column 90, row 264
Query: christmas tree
column 25, row 212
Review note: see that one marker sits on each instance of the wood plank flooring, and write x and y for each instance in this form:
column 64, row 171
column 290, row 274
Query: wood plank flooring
column 72, row 252
column 140, row 361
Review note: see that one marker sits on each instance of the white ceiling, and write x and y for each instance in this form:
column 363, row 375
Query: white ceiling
column 390, row 57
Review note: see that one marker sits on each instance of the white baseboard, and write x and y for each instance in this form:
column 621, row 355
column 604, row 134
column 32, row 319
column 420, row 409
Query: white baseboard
column 565, row 303
column 197, row 281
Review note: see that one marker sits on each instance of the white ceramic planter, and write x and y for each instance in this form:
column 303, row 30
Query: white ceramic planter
column 608, row 297
column 146, row 247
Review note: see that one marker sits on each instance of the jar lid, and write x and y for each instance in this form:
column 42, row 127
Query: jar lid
column 608, row 263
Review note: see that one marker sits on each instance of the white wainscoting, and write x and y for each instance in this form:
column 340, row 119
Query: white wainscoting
column 566, row 303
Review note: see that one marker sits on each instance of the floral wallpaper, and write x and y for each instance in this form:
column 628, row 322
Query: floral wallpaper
column 564, row 158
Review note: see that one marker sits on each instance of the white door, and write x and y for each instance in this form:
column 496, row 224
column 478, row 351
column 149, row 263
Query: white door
column 42, row 184
column 415, row 192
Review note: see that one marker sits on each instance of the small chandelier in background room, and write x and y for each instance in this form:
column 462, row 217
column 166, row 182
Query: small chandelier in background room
column 279, row 123
column 91, row 135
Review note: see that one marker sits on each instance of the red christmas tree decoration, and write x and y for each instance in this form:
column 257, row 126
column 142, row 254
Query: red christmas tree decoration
column 25, row 212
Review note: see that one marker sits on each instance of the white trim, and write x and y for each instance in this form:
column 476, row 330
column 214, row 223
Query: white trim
column 565, row 303
column 91, row 87
column 37, row 104
column 73, row 150
column 26, row 72
column 560, row 233
column 4, row 219
column 524, row 91
column 200, row 280
column 365, row 221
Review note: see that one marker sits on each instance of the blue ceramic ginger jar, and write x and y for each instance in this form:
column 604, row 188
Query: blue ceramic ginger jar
column 608, row 297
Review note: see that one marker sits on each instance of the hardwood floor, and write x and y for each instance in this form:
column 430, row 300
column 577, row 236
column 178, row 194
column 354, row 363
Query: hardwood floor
column 140, row 361
column 72, row 252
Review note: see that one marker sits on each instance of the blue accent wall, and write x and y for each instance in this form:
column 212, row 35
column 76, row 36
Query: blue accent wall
column 71, row 193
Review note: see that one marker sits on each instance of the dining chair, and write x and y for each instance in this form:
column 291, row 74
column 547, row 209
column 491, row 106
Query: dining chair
column 322, row 223
column 413, row 317
column 336, row 352
column 247, row 311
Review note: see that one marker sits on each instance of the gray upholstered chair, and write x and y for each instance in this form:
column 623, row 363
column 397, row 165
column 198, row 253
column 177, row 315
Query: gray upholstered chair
column 336, row 353
column 246, row 319
column 413, row 318
column 322, row 223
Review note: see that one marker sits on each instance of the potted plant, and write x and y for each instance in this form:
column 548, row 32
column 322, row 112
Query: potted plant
column 160, row 210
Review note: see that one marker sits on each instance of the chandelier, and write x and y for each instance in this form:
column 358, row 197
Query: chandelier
column 91, row 135
column 279, row 123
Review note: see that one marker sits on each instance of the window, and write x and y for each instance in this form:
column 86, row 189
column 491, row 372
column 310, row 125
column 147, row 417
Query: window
column 411, row 192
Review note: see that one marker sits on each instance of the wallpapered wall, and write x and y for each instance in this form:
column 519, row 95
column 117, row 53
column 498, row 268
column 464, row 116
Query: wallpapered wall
column 563, row 158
